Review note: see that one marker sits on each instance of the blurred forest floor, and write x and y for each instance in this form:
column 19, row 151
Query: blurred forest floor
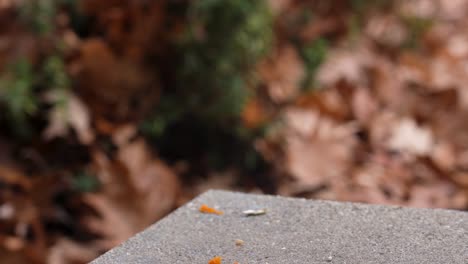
column 114, row 113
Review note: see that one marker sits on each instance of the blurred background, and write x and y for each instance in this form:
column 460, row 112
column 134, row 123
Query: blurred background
column 113, row 113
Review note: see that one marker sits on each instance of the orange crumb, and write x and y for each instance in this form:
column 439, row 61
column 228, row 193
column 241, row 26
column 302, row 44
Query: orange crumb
column 236, row 262
column 208, row 210
column 215, row 260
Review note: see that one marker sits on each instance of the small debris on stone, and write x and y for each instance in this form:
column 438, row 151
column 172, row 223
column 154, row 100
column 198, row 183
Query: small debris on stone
column 215, row 260
column 252, row 212
column 239, row 242
column 209, row 210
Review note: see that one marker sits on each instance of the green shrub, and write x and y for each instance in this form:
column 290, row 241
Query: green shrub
column 22, row 87
column 225, row 39
column 17, row 94
column 223, row 42
column 84, row 181
column 313, row 55
column 39, row 15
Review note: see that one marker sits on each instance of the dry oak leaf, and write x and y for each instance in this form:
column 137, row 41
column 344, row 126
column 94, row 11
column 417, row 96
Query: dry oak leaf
column 150, row 177
column 282, row 73
column 347, row 65
column 74, row 114
column 68, row 251
column 408, row 137
column 110, row 83
column 317, row 148
column 387, row 30
column 116, row 223
column 137, row 190
column 435, row 195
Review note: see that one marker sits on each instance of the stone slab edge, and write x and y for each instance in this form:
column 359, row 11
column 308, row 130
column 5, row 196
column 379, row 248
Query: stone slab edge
column 298, row 231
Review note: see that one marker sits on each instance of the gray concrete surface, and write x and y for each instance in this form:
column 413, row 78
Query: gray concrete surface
column 298, row 231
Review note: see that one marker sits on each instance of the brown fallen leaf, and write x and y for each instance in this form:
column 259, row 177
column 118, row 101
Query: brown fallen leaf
column 157, row 184
column 408, row 137
column 68, row 251
column 73, row 114
column 444, row 156
column 109, row 82
column 345, row 65
column 317, row 148
column 253, row 114
column 364, row 105
column 435, row 195
column 278, row 6
column 115, row 223
column 282, row 73
column 387, row 30
column 137, row 190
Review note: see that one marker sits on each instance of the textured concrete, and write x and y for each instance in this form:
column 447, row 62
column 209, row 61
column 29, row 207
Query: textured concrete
column 298, row 231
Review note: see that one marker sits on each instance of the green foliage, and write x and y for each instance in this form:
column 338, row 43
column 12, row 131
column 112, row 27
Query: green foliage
column 55, row 76
column 416, row 26
column 17, row 94
column 313, row 55
column 39, row 14
column 21, row 84
column 85, row 182
column 168, row 112
column 223, row 42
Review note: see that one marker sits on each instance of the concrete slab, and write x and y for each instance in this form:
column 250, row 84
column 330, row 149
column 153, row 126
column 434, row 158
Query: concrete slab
column 298, row 231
